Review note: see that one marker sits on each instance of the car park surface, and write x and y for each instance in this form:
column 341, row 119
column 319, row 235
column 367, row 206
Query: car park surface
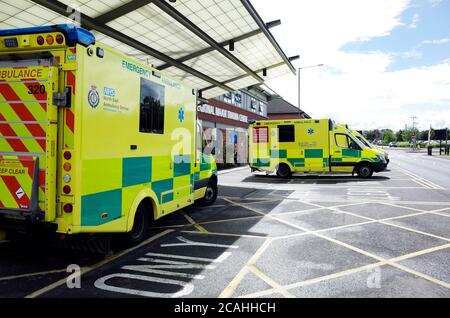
column 307, row 236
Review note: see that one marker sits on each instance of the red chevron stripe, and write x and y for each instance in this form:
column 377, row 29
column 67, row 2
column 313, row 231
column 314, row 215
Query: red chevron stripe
column 1, row 204
column 70, row 120
column 6, row 130
column 24, row 114
column 71, row 81
column 13, row 185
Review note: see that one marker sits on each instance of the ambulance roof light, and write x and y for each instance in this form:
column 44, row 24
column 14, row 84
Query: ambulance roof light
column 73, row 33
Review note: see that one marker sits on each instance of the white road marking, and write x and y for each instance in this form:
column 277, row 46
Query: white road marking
column 167, row 265
column 186, row 242
column 186, row 288
column 220, row 259
column 86, row 270
column 356, row 249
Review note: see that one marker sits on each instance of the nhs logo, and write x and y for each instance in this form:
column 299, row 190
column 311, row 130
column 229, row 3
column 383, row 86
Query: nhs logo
column 110, row 92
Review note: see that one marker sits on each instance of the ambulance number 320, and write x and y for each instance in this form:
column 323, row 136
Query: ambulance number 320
column 36, row 89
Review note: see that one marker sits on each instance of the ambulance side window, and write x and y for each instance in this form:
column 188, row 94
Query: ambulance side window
column 286, row 133
column 341, row 140
column 151, row 108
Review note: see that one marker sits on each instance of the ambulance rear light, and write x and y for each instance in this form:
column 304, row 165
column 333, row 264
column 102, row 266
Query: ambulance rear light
column 68, row 208
column 50, row 39
column 67, row 167
column 67, row 178
column 67, row 189
column 59, row 39
column 67, row 155
column 40, row 40
column 71, row 33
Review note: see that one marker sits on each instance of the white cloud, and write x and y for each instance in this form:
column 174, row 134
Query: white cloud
column 437, row 42
column 355, row 87
column 414, row 22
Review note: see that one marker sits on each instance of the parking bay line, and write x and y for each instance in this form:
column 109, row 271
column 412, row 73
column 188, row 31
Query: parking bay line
column 230, row 234
column 349, row 225
column 56, row 271
column 289, row 187
column 347, row 272
column 88, row 269
column 355, row 249
column 335, row 208
column 367, row 200
column 231, row 287
column 395, row 225
column 270, row 281
column 200, row 228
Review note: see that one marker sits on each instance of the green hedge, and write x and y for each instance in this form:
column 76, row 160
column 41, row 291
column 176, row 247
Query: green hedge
column 403, row 144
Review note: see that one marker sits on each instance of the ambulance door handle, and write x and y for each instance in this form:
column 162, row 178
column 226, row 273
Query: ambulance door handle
column 133, row 147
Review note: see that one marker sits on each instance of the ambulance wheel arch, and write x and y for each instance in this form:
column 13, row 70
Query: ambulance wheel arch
column 148, row 198
column 211, row 192
column 284, row 170
column 364, row 169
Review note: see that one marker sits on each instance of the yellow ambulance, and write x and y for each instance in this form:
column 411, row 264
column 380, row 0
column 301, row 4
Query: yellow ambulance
column 310, row 146
column 368, row 144
column 92, row 141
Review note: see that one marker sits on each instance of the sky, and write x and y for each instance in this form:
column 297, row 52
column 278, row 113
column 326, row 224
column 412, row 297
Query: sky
column 385, row 61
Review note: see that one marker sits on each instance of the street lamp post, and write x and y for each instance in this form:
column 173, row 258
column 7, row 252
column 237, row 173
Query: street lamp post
column 299, row 84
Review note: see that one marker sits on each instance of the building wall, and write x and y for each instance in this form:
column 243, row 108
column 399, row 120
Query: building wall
column 250, row 101
column 229, row 135
column 226, row 121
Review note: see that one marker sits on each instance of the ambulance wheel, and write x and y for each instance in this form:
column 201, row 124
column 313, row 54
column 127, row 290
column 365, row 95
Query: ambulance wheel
column 140, row 227
column 210, row 194
column 364, row 171
column 284, row 171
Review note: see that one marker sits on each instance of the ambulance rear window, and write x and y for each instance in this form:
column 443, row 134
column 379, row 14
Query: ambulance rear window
column 151, row 107
column 286, row 133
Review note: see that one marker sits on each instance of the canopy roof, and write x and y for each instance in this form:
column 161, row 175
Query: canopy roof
column 214, row 45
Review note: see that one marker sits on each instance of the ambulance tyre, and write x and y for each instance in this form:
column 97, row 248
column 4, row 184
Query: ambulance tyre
column 210, row 193
column 140, row 226
column 364, row 170
column 284, row 171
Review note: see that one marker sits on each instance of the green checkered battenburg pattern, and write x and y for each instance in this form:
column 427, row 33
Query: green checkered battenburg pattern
column 311, row 157
column 118, row 181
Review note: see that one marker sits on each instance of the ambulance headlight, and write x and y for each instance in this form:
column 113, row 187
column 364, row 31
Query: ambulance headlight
column 381, row 157
column 67, row 178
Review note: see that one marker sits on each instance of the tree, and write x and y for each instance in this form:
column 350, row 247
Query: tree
column 423, row 135
column 399, row 135
column 388, row 136
column 408, row 133
column 370, row 135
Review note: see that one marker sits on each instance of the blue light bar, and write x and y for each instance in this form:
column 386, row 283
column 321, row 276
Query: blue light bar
column 251, row 121
column 73, row 34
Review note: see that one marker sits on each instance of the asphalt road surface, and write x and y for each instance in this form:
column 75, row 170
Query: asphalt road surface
column 309, row 236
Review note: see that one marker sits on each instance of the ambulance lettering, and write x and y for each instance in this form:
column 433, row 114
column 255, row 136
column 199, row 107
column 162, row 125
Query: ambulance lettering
column 20, row 73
